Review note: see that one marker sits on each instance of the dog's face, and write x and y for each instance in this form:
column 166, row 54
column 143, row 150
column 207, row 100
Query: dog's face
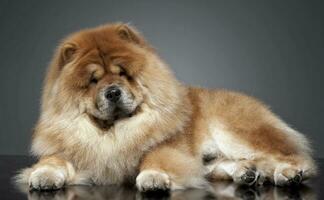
column 98, row 72
column 109, row 92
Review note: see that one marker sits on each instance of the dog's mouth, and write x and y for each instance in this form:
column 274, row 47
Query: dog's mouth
column 117, row 115
column 120, row 114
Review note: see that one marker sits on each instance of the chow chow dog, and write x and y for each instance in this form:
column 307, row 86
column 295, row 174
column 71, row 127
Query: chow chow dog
column 112, row 112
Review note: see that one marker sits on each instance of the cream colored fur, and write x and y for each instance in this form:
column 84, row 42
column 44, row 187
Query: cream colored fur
column 165, row 141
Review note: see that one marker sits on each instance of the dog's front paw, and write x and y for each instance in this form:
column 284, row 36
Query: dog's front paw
column 151, row 180
column 47, row 178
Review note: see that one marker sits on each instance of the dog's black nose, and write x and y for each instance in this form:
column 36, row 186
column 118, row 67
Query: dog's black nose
column 113, row 94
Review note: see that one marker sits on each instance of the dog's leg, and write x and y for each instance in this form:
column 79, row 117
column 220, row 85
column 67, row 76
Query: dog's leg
column 49, row 173
column 277, row 164
column 281, row 171
column 168, row 168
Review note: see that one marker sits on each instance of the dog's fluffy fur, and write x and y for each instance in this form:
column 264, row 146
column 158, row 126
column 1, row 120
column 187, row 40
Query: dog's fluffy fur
column 173, row 136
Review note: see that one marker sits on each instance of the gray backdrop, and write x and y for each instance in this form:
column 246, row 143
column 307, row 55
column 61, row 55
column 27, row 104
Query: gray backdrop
column 269, row 49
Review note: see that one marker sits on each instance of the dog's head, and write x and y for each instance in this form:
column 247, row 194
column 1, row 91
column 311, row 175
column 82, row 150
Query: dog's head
column 108, row 73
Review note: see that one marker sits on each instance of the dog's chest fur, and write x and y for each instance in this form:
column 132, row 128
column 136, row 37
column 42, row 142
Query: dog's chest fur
column 111, row 156
column 106, row 157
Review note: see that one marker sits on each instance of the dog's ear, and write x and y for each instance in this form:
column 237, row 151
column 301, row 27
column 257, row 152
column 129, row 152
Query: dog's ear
column 130, row 34
column 66, row 53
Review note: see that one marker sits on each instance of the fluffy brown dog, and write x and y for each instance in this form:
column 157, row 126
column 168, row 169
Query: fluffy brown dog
column 112, row 112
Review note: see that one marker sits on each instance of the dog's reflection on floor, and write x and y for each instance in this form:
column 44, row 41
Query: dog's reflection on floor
column 228, row 191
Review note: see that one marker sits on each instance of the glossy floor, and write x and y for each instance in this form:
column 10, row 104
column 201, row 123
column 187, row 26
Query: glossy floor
column 9, row 165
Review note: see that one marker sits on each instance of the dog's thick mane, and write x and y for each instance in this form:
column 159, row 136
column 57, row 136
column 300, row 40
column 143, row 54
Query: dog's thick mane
column 65, row 129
